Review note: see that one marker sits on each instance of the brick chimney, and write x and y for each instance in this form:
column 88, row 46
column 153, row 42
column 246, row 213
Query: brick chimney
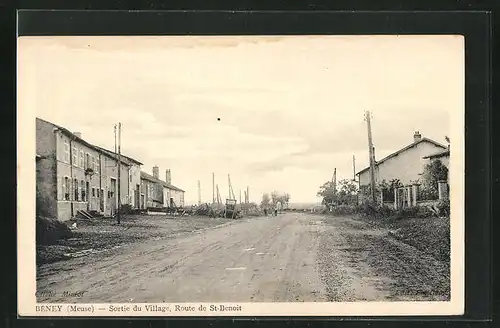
column 417, row 136
column 78, row 134
column 168, row 176
column 156, row 172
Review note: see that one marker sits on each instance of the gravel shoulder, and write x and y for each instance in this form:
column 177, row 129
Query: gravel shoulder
column 360, row 261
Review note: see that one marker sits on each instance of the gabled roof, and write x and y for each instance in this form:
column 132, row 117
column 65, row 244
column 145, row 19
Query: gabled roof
column 403, row 150
column 149, row 177
column 124, row 159
column 443, row 153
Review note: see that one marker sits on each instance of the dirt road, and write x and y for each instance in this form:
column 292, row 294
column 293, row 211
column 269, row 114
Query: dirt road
column 294, row 257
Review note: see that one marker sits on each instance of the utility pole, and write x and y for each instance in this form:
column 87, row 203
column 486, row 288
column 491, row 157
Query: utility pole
column 199, row 193
column 372, row 155
column 119, row 171
column 353, row 168
column 334, row 184
column 218, row 194
column 248, row 195
column 213, row 188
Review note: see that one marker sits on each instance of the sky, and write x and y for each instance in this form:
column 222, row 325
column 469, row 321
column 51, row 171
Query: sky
column 276, row 113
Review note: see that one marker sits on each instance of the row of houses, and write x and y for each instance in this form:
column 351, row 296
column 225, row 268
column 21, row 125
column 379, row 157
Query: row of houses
column 407, row 165
column 73, row 175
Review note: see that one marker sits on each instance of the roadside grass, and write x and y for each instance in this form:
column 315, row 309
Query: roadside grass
column 92, row 236
column 430, row 235
column 414, row 253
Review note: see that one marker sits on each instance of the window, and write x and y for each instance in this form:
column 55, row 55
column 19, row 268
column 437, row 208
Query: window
column 97, row 165
column 93, row 192
column 75, row 185
column 75, row 156
column 130, row 176
column 87, row 161
column 97, row 192
column 66, row 188
column 92, row 162
column 82, row 189
column 81, row 159
column 66, row 151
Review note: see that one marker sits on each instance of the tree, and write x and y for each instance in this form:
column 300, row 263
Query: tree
column 346, row 192
column 327, row 192
column 286, row 199
column 266, row 200
column 433, row 172
column 275, row 197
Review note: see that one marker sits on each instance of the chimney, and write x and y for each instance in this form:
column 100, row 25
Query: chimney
column 78, row 134
column 417, row 136
column 156, row 172
column 168, row 176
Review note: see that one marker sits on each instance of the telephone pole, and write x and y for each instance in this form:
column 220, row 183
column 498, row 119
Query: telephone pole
column 248, row 195
column 353, row 168
column 119, row 171
column 372, row 155
column 334, row 185
column 199, row 193
column 213, row 188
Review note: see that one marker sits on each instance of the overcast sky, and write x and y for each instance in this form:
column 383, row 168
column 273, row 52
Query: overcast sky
column 290, row 108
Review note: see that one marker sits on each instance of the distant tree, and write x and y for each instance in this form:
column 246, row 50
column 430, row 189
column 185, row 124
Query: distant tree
column 266, row 201
column 286, row 199
column 275, row 197
column 327, row 192
column 346, row 192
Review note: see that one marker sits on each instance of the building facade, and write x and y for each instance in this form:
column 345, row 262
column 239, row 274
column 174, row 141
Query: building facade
column 158, row 193
column 406, row 164
column 442, row 156
column 74, row 175
column 151, row 192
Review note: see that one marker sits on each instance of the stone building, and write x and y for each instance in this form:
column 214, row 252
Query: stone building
column 406, row 164
column 158, row 193
column 73, row 175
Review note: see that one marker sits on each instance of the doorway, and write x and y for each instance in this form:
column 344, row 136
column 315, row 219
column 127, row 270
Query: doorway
column 112, row 197
column 88, row 196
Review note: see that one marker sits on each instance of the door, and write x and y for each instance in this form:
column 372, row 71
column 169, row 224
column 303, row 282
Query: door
column 101, row 199
column 88, row 195
column 137, row 194
column 112, row 197
column 142, row 202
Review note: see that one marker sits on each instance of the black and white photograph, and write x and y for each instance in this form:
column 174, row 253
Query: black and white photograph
column 241, row 175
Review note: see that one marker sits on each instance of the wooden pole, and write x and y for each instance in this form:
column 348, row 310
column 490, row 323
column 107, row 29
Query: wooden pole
column 213, row 188
column 353, row 168
column 199, row 193
column 335, row 185
column 119, row 172
column 372, row 155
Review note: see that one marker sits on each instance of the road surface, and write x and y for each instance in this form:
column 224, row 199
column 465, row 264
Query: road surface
column 294, row 257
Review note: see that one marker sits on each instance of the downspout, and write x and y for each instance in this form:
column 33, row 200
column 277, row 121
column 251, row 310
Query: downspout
column 100, row 183
column 72, row 192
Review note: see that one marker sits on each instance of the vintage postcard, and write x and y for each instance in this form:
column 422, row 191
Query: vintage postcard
column 241, row 175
